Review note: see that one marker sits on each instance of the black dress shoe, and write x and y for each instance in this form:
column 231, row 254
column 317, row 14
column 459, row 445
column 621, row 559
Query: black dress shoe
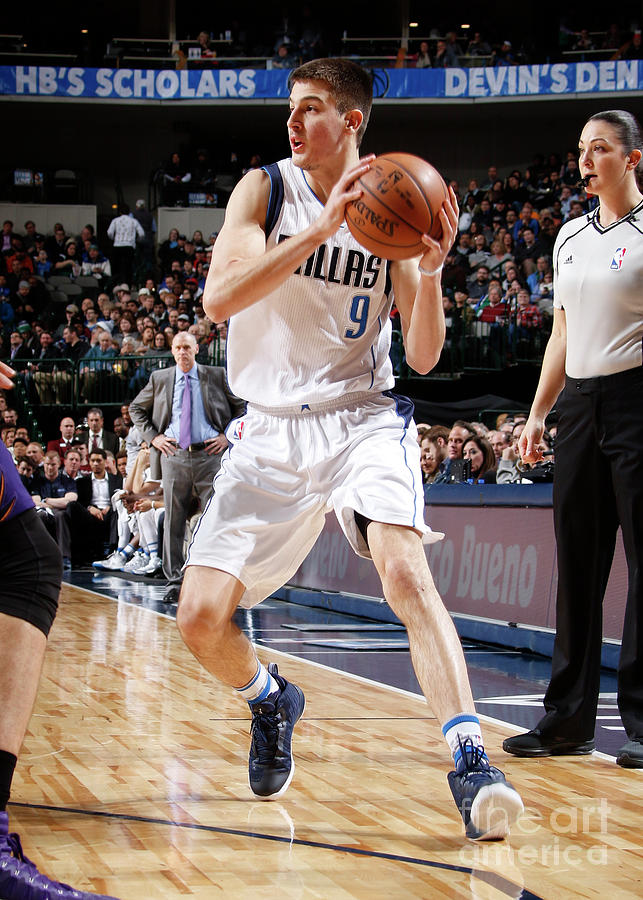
column 172, row 595
column 630, row 756
column 533, row 743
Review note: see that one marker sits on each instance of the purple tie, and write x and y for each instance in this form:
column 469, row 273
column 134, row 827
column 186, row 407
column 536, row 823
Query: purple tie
column 185, row 429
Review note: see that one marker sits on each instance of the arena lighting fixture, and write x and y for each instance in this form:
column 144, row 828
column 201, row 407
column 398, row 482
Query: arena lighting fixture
column 84, row 30
column 413, row 24
column 464, row 27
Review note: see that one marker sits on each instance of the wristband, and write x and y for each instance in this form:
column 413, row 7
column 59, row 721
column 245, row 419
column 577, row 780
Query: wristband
column 426, row 271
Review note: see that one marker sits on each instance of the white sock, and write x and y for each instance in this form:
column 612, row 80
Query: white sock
column 259, row 687
column 464, row 726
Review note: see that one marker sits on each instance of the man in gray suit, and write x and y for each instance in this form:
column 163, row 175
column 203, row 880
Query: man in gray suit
column 186, row 433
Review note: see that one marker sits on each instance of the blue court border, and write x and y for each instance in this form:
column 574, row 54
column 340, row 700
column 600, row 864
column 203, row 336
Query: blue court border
column 502, row 884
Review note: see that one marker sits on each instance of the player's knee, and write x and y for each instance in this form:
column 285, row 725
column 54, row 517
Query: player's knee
column 402, row 578
column 199, row 616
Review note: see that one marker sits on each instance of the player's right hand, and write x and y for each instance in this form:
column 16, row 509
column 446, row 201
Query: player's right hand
column 6, row 374
column 345, row 191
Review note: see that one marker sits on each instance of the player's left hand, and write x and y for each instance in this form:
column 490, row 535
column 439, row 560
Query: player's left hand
column 6, row 374
column 216, row 445
column 437, row 251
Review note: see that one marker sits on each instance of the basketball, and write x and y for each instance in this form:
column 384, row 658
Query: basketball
column 401, row 200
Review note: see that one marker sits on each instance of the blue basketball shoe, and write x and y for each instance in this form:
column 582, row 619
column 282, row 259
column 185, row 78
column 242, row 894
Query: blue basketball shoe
column 488, row 803
column 271, row 766
column 21, row 880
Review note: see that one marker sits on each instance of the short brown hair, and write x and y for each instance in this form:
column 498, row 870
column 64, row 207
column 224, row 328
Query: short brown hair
column 436, row 432
column 350, row 84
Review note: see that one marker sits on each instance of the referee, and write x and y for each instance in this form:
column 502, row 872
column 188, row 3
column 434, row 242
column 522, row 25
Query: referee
column 594, row 356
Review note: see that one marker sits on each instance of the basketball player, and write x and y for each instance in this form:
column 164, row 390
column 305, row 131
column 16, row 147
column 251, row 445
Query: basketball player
column 308, row 347
column 594, row 357
column 31, row 567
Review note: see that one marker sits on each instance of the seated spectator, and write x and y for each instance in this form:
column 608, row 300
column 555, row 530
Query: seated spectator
column 528, row 250
column 121, row 463
column 96, row 435
column 540, row 282
column 483, row 460
column 479, row 286
column 19, row 354
column 459, row 432
column 576, row 211
column 7, row 435
column 35, row 452
column 5, row 236
column 10, row 417
column 170, row 250
column 206, row 48
column 97, row 367
column 42, row 265
column 97, row 265
column 138, row 510
column 480, row 255
column 467, row 213
column 283, row 58
column 44, row 370
column 570, row 175
column 492, row 308
column 526, row 319
column 423, row 57
column 504, row 55
column 60, row 445
column 584, row 41
column 499, row 441
column 25, row 470
column 19, row 450
column 508, row 471
column 18, row 253
column 445, row 56
column 92, row 520
column 160, row 348
column 203, row 175
column 433, row 451
column 25, row 302
column 175, row 179
column 53, row 491
column 478, row 46
column 69, row 262
column 72, row 459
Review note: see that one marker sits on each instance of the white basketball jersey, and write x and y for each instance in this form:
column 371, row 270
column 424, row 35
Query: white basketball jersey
column 598, row 281
column 325, row 332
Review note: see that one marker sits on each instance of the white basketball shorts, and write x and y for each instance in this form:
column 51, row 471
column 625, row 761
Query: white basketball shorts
column 284, row 472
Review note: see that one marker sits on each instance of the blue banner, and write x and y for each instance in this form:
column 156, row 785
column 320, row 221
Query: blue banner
column 255, row 84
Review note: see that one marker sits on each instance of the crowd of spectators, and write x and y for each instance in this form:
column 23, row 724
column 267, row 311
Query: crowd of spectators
column 497, row 284
column 111, row 332
column 92, row 489
column 497, row 281
column 298, row 39
column 93, row 486
column 472, row 453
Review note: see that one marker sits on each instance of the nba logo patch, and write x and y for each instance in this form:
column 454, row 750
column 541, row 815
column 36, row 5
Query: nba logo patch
column 617, row 259
column 237, row 433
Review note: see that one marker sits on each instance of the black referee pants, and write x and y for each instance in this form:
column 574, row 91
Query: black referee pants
column 598, row 485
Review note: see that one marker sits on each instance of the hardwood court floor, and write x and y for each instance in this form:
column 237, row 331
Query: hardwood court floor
column 132, row 782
